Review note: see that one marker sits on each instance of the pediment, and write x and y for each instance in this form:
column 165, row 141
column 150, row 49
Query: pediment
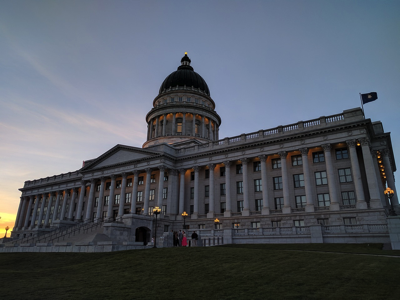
column 117, row 155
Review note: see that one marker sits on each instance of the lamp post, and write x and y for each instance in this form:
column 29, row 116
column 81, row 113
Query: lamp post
column 216, row 222
column 6, row 231
column 389, row 193
column 156, row 212
column 184, row 215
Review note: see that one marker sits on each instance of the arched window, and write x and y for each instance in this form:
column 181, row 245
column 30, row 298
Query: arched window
column 179, row 125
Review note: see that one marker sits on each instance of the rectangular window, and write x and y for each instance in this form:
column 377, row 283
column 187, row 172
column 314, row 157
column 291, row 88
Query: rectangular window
column 323, row 222
column 278, row 183
column 342, row 153
column 276, row 224
column 140, row 180
column 257, row 166
column 222, row 171
column 278, row 202
column 222, row 189
column 239, row 169
column 239, row 187
column 106, row 200
column 166, row 228
column 128, row 198
column 239, row 206
column 96, row 201
column 153, row 178
column 165, row 193
column 323, row 200
column 320, row 178
column 300, row 201
column 202, row 226
column 298, row 180
column 139, row 197
column 255, row 225
column 217, row 225
column 138, row 210
column 150, row 210
column 259, row 204
column 192, row 193
column 165, row 176
column 98, row 187
column 349, row 198
column 116, row 199
column 163, row 210
column 179, row 127
column 257, row 185
column 129, row 182
column 118, row 184
column 191, row 176
column 151, row 195
column 223, row 207
column 206, row 191
column 104, row 216
column 172, row 99
column 297, row 160
column 349, row 221
column 298, row 223
column 206, row 208
column 236, row 225
column 276, row 163
column 345, row 175
column 207, row 173
column 188, row 99
column 180, row 99
column 108, row 185
column 318, row 157
column 191, row 210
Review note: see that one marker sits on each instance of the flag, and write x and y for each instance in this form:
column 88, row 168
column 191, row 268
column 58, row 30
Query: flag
column 369, row 97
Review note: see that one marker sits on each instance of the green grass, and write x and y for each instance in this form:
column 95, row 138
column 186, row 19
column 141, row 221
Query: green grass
column 302, row 271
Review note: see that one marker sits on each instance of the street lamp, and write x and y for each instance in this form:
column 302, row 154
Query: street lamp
column 216, row 222
column 184, row 215
column 156, row 212
column 6, row 231
column 389, row 193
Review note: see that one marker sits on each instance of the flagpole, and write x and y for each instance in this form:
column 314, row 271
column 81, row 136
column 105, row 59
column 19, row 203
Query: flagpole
column 362, row 105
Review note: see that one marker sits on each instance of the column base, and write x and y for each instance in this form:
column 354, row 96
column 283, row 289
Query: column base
column 210, row 215
column 286, row 209
column 227, row 214
column 334, row 206
column 246, row 212
column 265, row 211
column 194, row 216
column 361, row 205
column 310, row 208
column 375, row 203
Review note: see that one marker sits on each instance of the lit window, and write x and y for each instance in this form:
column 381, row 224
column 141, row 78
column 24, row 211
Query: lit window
column 236, row 225
column 128, row 198
column 297, row 160
column 202, row 226
column 96, row 201
column 140, row 180
column 320, row 178
column 106, row 200
column 129, row 182
column 298, row 180
column 118, row 184
column 298, row 223
column 165, row 193
column 116, row 199
column 151, row 195
column 139, row 197
column 163, row 210
column 276, row 163
column 345, row 175
column 108, row 185
column 255, row 225
column 98, row 187
column 152, row 178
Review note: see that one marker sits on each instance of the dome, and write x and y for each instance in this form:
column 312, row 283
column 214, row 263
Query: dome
column 185, row 76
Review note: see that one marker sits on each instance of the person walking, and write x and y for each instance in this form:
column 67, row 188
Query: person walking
column 194, row 239
column 184, row 240
column 180, row 237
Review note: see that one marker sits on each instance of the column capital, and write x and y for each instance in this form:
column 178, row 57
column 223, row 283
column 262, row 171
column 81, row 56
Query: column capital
column 374, row 154
column 244, row 160
column 385, row 152
column 83, row 182
column 103, row 179
column 59, row 192
column 196, row 168
column 211, row 166
column 303, row 151
column 67, row 190
column 351, row 143
column 283, row 154
column 326, row 147
column 75, row 189
column 113, row 176
column 227, row 163
column 173, row 171
column 92, row 181
column 148, row 170
column 161, row 168
column 135, row 172
column 182, row 171
column 263, row 157
column 364, row 142
column 124, row 174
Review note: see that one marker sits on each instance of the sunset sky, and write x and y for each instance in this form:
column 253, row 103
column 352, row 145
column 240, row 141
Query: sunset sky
column 78, row 77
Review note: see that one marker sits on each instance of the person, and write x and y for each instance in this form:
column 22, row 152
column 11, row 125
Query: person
column 184, row 240
column 180, row 236
column 194, row 239
column 176, row 240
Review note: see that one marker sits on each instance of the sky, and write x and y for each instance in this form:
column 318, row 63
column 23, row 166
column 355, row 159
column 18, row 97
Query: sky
column 78, row 77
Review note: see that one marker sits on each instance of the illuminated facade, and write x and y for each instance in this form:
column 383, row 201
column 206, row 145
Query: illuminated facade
column 321, row 180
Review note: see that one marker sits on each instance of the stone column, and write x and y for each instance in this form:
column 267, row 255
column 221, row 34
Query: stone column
column 210, row 136
column 134, row 191
column 157, row 126
column 147, row 192
column 99, row 215
column 373, row 187
column 56, row 206
column 20, row 209
column 89, row 208
column 173, row 124
column 151, row 128
column 264, row 182
column 64, row 205
column 21, row 212
column 361, row 204
column 307, row 181
column 46, row 220
column 181, row 193
column 194, row 125
column 203, row 126
column 184, row 124
column 111, row 199
column 330, row 173
column 164, row 124
column 35, row 211
column 172, row 200
column 228, row 200
column 28, row 212
column 246, row 204
column 78, row 216
column 211, row 203
column 41, row 211
column 389, row 175
column 217, row 133
column 72, row 204
column 285, row 184
column 122, row 197
column 160, row 186
column 195, row 214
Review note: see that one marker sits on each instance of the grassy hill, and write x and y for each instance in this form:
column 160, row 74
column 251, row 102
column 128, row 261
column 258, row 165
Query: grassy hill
column 318, row 271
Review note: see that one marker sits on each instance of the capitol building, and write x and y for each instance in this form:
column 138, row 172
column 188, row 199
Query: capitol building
column 314, row 181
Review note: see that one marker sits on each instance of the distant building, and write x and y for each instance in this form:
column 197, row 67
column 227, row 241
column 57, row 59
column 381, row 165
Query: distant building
column 320, row 180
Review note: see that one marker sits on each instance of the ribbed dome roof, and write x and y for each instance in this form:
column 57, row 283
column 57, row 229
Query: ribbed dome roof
column 185, row 76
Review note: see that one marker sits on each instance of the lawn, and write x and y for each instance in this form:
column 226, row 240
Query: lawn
column 305, row 271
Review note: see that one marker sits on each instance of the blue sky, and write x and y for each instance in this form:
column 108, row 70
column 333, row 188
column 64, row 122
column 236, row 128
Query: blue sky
column 78, row 77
